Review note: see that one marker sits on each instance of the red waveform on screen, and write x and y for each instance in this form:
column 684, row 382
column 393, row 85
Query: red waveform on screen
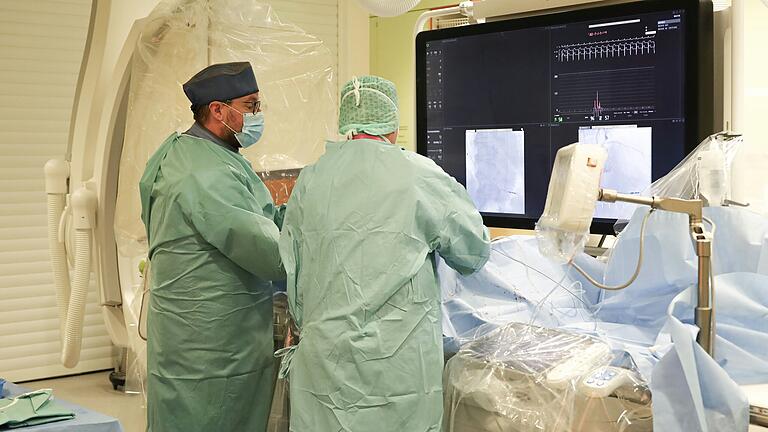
column 597, row 109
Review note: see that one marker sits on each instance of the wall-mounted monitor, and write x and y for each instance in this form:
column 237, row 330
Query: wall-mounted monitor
column 496, row 101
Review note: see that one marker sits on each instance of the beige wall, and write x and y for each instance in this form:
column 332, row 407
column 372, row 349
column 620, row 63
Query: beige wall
column 747, row 176
column 392, row 57
column 756, row 72
column 354, row 49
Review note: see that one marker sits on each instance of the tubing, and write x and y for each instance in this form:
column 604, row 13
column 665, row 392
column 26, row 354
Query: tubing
column 73, row 333
column 58, row 257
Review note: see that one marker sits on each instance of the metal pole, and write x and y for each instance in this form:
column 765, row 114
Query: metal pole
column 704, row 315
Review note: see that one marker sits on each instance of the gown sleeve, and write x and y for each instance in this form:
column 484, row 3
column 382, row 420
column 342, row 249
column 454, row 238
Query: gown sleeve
column 457, row 230
column 220, row 206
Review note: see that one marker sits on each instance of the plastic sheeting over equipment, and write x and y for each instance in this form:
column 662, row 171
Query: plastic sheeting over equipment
column 704, row 174
column 293, row 69
column 521, row 378
column 652, row 319
column 179, row 38
column 573, row 190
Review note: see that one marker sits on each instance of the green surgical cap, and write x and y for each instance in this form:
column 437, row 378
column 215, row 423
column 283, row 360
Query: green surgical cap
column 368, row 105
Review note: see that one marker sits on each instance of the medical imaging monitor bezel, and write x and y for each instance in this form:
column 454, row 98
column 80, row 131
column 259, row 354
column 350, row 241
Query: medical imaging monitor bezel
column 698, row 105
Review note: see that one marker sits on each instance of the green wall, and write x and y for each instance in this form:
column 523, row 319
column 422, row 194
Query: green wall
column 392, row 58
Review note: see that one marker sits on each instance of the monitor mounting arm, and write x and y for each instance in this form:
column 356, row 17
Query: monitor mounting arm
column 702, row 243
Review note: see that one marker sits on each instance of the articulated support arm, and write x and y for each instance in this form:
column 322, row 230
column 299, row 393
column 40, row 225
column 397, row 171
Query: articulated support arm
column 702, row 243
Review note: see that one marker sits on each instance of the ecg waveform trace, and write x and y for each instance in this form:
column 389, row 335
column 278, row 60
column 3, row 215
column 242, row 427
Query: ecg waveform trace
column 605, row 91
column 597, row 109
column 645, row 45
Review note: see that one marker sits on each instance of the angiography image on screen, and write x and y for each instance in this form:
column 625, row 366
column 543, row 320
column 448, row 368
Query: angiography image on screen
column 628, row 167
column 496, row 170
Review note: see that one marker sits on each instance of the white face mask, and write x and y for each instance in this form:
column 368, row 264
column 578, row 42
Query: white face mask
column 253, row 128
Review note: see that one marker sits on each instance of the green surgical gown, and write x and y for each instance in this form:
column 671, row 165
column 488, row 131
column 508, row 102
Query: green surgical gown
column 213, row 248
column 358, row 245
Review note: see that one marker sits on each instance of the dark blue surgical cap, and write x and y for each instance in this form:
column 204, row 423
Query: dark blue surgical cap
column 221, row 82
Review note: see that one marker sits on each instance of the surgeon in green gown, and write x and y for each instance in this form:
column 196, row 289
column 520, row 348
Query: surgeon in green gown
column 213, row 247
column 358, row 243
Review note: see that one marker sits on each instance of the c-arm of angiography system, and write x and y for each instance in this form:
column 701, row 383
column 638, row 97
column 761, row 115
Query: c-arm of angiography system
column 574, row 190
column 81, row 187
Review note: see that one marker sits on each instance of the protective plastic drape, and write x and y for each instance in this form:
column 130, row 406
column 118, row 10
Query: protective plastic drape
column 180, row 37
column 704, row 174
column 652, row 320
column 563, row 227
column 522, row 378
column 688, row 177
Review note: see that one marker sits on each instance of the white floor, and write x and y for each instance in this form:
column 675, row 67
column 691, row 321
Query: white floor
column 94, row 391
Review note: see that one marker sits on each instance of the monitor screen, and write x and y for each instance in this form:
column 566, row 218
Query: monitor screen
column 496, row 101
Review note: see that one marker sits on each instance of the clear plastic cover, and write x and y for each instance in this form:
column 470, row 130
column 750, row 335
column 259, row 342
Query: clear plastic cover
column 704, row 174
column 523, row 378
column 563, row 228
column 297, row 83
column 688, row 178
column 280, row 183
column 135, row 301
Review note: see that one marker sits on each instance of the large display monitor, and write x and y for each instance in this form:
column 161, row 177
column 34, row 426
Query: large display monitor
column 496, row 101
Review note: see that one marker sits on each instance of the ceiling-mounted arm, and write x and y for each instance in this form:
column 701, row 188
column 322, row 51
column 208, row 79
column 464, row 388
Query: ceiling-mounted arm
column 466, row 8
column 388, row 8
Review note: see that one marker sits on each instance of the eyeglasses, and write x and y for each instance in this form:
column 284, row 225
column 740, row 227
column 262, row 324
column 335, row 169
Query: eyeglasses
column 252, row 107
